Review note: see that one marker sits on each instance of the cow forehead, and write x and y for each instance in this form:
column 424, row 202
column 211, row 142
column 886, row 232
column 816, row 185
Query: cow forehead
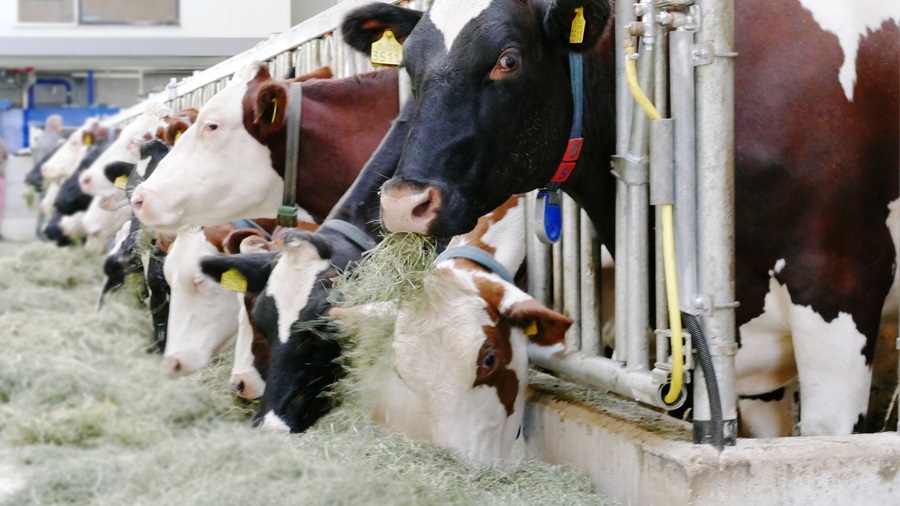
column 451, row 16
column 228, row 101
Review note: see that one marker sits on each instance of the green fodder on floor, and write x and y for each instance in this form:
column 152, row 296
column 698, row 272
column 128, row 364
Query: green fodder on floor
column 88, row 417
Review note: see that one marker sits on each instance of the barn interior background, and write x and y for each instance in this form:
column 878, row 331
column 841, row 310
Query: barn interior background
column 82, row 58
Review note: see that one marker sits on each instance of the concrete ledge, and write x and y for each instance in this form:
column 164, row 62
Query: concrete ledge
column 637, row 456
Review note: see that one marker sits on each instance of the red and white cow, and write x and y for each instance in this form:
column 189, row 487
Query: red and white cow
column 229, row 164
column 461, row 351
column 814, row 261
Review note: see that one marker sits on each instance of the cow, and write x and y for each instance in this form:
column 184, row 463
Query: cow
column 65, row 159
column 229, row 164
column 293, row 287
column 203, row 316
column 125, row 148
column 814, row 260
column 460, row 349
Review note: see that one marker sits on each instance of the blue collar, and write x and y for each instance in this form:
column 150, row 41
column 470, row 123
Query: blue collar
column 477, row 255
column 350, row 231
column 245, row 223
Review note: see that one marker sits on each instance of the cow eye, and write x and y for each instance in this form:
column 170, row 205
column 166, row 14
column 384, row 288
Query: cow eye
column 211, row 125
column 509, row 63
column 198, row 281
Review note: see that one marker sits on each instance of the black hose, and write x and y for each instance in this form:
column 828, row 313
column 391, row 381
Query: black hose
column 709, row 373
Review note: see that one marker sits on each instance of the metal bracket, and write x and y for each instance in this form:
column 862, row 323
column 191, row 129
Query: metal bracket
column 704, row 304
column 633, row 171
column 703, row 53
column 687, row 349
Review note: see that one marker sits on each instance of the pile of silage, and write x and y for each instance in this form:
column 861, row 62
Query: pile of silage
column 87, row 417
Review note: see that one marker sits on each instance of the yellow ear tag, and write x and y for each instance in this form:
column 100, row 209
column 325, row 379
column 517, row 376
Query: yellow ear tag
column 234, row 280
column 274, row 110
column 177, row 136
column 531, row 329
column 386, row 50
column 87, row 140
column 576, row 36
column 121, row 182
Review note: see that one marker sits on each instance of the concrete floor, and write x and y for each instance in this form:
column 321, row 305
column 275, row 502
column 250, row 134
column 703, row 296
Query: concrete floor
column 19, row 220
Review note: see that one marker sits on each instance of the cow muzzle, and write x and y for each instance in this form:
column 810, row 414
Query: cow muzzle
column 409, row 207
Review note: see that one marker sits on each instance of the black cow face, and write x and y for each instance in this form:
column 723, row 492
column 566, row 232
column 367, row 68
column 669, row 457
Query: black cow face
column 493, row 104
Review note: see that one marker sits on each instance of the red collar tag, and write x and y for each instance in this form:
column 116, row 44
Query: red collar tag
column 573, row 151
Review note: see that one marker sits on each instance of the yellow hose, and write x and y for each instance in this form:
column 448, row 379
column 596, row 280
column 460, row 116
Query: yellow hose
column 668, row 244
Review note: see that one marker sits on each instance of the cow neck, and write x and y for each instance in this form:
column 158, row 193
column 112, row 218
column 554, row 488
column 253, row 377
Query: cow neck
column 287, row 212
column 477, row 255
column 548, row 211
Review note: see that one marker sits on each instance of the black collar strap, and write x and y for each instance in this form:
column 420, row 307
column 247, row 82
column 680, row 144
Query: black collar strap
column 287, row 213
column 548, row 211
column 350, row 231
column 477, row 255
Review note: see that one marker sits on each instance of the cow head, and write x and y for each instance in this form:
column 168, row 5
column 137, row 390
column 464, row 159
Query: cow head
column 126, row 148
column 222, row 167
column 66, row 158
column 463, row 351
column 493, row 106
column 202, row 314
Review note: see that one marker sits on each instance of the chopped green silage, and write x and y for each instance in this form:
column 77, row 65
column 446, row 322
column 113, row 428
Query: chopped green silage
column 88, row 418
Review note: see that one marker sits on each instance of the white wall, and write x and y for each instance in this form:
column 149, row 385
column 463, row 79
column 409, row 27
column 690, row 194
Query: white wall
column 199, row 18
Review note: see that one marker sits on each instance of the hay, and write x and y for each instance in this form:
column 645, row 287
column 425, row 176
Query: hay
column 87, row 417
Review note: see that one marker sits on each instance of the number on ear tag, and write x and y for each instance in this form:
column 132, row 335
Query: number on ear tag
column 386, row 50
column 234, row 280
column 121, row 182
column 576, row 36
column 531, row 329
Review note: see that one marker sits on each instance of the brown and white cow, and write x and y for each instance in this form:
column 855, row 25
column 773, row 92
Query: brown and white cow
column 229, row 164
column 461, row 350
column 816, row 164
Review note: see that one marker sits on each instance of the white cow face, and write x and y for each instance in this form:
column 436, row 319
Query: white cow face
column 66, row 159
column 126, row 148
column 216, row 173
column 462, row 351
column 203, row 316
column 101, row 224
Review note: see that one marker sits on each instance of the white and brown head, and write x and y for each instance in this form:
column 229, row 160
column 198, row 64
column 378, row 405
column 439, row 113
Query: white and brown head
column 462, row 348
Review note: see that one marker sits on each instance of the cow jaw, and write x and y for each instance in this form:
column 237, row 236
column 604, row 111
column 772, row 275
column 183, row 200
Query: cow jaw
column 215, row 174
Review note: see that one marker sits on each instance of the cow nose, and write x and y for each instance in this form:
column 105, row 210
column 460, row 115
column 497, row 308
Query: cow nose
column 137, row 199
column 238, row 389
column 405, row 208
column 172, row 364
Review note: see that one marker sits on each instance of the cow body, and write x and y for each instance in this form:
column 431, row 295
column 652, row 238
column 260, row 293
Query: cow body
column 814, row 259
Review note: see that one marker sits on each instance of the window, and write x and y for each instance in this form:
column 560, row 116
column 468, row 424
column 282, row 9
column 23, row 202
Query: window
column 128, row 12
column 47, row 11
column 100, row 12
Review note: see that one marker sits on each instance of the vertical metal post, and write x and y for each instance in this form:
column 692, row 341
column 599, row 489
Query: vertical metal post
column 715, row 198
column 571, row 267
column 624, row 106
column 590, row 271
column 538, row 255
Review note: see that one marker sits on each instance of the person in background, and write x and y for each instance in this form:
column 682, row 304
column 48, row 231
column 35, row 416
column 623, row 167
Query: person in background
column 51, row 136
column 4, row 156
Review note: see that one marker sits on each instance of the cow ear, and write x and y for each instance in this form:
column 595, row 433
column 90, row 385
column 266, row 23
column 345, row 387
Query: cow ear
column 232, row 242
column 542, row 325
column 116, row 170
column 173, row 132
column 271, row 107
column 255, row 268
column 367, row 24
column 323, row 72
column 558, row 15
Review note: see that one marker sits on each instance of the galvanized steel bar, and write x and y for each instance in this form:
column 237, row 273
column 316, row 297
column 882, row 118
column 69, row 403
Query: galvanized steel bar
column 715, row 199
column 590, row 278
column 538, row 257
column 571, row 271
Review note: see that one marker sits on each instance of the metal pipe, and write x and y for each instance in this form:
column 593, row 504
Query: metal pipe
column 715, row 199
column 538, row 255
column 606, row 374
column 591, row 303
column 90, row 87
column 571, row 266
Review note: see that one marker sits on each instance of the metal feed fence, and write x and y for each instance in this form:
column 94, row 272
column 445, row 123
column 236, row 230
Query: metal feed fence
column 567, row 275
